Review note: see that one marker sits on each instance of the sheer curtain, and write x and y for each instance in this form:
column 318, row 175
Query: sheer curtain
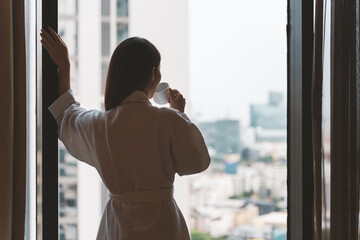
column 12, row 119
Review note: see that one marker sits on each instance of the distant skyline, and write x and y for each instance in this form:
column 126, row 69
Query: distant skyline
column 235, row 58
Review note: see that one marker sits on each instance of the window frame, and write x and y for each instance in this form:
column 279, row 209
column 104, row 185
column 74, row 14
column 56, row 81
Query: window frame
column 300, row 165
column 300, row 160
column 47, row 130
column 345, row 120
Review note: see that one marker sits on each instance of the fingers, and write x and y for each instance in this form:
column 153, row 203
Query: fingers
column 178, row 95
column 46, row 46
column 178, row 102
column 46, row 43
column 57, row 39
column 176, row 98
column 47, row 38
column 54, row 34
column 174, row 92
column 49, row 48
column 52, row 37
column 170, row 93
column 179, row 98
column 62, row 41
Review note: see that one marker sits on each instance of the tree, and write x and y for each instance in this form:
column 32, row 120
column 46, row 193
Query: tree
column 196, row 235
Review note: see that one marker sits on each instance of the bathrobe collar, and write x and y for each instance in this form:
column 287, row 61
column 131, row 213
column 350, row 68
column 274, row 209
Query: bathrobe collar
column 137, row 96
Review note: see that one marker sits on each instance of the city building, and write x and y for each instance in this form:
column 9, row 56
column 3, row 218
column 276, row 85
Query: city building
column 223, row 136
column 81, row 192
column 271, row 115
column 269, row 120
column 68, row 220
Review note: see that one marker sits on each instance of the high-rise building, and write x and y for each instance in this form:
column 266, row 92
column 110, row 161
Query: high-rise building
column 269, row 120
column 223, row 136
column 114, row 29
column 271, row 115
column 68, row 166
column 91, row 29
column 68, row 177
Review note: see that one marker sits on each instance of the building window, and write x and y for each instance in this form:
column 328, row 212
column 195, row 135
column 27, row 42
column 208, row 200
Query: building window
column 105, row 7
column 121, row 32
column 105, row 38
column 104, row 70
column 122, row 8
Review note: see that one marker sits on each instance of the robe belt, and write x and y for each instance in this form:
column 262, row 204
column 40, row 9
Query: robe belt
column 144, row 196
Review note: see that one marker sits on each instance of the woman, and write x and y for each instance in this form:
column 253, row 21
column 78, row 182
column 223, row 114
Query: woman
column 135, row 147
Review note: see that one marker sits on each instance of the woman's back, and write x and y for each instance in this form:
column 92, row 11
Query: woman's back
column 135, row 147
column 137, row 142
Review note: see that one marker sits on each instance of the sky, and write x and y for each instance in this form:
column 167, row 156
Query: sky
column 237, row 53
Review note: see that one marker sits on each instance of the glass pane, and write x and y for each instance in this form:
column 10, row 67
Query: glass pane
column 238, row 98
column 68, row 178
column 122, row 8
column 326, row 123
column 67, row 7
column 121, row 32
column 235, row 85
column 105, row 38
column 30, row 26
column 230, row 63
column 104, row 70
column 68, row 31
column 68, row 175
column 105, row 7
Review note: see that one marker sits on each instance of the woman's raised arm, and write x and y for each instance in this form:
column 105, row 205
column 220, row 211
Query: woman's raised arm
column 58, row 52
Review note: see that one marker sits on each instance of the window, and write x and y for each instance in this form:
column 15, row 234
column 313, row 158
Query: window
column 122, row 9
column 235, row 82
column 105, row 7
column 121, row 32
column 68, row 7
column 247, row 179
column 246, row 182
column 104, row 71
column 105, row 38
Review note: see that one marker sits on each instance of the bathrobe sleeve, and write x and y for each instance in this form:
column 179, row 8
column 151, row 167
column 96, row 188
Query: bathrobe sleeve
column 188, row 146
column 76, row 127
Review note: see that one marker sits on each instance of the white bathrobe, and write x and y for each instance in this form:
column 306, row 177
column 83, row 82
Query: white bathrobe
column 137, row 149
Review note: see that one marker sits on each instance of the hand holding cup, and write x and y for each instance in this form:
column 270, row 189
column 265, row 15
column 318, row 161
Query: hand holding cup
column 164, row 94
column 176, row 100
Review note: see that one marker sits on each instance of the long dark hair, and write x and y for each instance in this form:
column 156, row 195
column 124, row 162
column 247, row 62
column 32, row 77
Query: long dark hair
column 130, row 69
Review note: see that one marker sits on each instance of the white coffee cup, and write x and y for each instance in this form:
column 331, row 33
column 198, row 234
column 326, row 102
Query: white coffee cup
column 161, row 93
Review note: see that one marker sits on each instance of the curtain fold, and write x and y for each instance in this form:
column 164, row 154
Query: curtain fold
column 12, row 120
column 344, row 120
